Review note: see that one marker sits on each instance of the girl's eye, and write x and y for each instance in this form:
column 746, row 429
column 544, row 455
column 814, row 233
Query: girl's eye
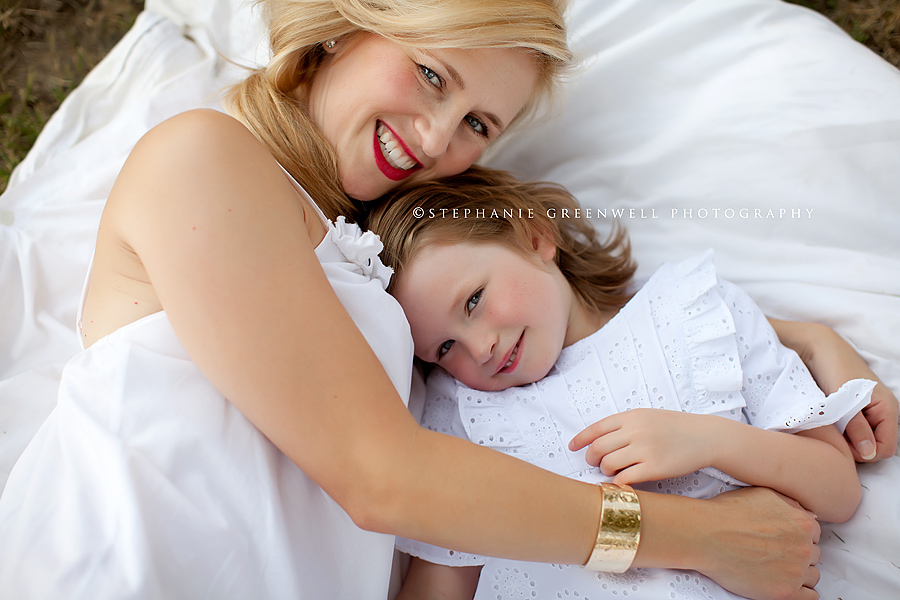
column 431, row 77
column 477, row 125
column 445, row 347
column 473, row 301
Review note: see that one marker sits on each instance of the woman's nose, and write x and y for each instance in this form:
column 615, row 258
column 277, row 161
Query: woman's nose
column 435, row 131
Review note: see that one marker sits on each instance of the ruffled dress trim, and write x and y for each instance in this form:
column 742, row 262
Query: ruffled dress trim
column 708, row 326
column 360, row 248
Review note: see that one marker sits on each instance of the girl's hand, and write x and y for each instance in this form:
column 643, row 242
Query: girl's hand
column 874, row 427
column 872, row 434
column 649, row 444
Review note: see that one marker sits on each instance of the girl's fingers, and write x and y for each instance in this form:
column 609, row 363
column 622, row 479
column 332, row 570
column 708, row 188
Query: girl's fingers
column 861, row 438
column 616, row 461
column 637, row 473
column 603, row 447
column 594, row 431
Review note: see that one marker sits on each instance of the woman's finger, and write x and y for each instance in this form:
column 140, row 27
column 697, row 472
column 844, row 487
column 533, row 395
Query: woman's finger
column 816, row 555
column 817, row 534
column 812, row 577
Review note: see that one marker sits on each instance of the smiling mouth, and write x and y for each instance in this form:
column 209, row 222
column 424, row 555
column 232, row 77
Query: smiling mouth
column 513, row 360
column 392, row 157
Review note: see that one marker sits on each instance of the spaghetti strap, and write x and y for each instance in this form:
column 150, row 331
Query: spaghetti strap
column 303, row 193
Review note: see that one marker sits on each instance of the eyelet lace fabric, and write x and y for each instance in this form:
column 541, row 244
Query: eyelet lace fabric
column 687, row 341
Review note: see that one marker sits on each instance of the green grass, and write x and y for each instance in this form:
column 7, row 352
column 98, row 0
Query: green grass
column 48, row 46
column 46, row 49
column 875, row 23
column 22, row 117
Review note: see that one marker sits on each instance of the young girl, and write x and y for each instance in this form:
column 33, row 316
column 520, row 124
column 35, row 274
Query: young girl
column 556, row 355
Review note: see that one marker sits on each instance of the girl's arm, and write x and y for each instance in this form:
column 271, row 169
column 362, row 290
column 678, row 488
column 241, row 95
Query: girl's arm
column 814, row 467
column 430, row 581
column 872, row 434
column 222, row 236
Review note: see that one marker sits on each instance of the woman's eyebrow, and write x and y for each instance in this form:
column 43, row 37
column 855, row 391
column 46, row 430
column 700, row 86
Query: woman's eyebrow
column 454, row 74
column 458, row 80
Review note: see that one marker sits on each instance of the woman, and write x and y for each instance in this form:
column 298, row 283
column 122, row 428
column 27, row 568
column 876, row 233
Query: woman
column 207, row 267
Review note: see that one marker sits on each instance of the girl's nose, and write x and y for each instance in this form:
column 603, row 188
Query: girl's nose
column 435, row 131
column 482, row 348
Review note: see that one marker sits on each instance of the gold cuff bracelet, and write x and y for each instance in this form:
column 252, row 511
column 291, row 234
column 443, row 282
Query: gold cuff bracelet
column 619, row 532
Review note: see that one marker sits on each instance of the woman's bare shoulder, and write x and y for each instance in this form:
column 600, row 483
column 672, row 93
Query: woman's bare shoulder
column 196, row 193
column 202, row 135
column 196, row 162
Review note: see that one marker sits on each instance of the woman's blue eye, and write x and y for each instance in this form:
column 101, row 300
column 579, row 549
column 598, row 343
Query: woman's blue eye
column 445, row 347
column 473, row 301
column 477, row 125
column 431, row 77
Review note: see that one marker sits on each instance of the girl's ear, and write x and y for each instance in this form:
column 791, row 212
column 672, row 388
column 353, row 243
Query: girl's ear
column 544, row 245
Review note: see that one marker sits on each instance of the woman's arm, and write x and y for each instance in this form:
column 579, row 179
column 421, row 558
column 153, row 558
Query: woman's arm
column 223, row 238
column 872, row 434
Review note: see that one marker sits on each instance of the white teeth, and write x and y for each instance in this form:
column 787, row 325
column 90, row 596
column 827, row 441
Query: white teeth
column 512, row 357
column 392, row 150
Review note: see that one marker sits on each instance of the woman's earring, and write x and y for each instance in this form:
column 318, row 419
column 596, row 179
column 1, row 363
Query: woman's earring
column 330, row 44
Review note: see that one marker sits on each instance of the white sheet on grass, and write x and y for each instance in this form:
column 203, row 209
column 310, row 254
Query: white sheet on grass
column 702, row 120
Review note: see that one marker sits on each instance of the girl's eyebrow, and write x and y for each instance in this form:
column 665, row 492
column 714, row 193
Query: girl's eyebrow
column 461, row 297
column 458, row 80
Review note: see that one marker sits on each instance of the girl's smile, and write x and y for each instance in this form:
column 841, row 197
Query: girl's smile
column 512, row 361
column 491, row 316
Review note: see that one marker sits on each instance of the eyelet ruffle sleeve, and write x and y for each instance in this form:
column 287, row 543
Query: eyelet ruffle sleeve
column 732, row 360
column 362, row 249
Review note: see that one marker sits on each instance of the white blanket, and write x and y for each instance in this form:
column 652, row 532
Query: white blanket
column 753, row 127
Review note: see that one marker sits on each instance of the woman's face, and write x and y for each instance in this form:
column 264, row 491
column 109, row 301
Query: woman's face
column 396, row 115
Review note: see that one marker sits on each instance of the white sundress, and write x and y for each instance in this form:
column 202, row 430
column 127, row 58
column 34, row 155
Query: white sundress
column 686, row 341
column 145, row 482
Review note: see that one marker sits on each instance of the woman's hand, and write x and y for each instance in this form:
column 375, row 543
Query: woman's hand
column 763, row 545
column 648, row 444
column 753, row 541
column 872, row 434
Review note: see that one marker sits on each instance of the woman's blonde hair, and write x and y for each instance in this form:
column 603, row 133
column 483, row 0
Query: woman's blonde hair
column 265, row 100
column 484, row 206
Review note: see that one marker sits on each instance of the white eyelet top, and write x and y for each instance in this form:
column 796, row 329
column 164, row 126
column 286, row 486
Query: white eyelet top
column 687, row 341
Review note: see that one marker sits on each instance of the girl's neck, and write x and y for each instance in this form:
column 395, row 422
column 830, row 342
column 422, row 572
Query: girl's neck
column 585, row 321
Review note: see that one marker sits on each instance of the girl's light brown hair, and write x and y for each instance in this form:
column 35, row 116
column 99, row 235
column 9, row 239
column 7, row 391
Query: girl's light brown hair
column 494, row 207
column 266, row 100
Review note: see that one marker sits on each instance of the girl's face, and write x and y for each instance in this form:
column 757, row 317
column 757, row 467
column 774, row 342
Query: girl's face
column 396, row 115
column 490, row 316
